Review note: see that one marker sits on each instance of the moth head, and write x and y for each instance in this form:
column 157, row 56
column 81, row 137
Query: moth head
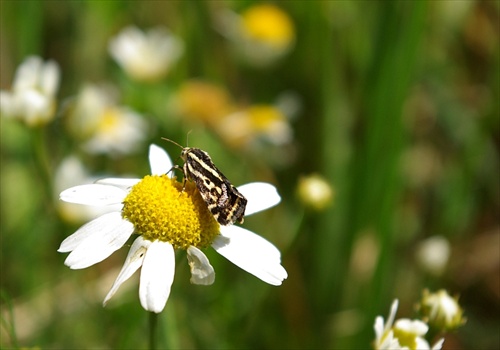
column 184, row 152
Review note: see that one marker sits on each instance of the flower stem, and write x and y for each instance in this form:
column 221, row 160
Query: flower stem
column 7, row 321
column 153, row 326
column 42, row 162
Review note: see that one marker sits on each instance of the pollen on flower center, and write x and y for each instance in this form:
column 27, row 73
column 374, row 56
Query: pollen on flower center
column 160, row 209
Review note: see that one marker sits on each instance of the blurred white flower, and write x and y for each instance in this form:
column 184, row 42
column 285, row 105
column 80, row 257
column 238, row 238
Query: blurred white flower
column 167, row 215
column 105, row 127
column 441, row 310
column 261, row 34
column 120, row 131
column 404, row 334
column 32, row 98
column 315, row 192
column 433, row 254
column 146, row 56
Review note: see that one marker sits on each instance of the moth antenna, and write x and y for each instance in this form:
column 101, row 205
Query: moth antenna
column 187, row 137
column 175, row 143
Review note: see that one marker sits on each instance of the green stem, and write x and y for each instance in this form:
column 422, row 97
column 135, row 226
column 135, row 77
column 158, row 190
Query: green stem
column 42, row 162
column 9, row 327
column 153, row 327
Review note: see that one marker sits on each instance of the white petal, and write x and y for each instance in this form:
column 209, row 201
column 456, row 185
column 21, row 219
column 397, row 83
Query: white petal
column 8, row 106
column 421, row 344
column 91, row 228
column 159, row 161
column 389, row 342
column 251, row 253
column 235, row 235
column 27, row 74
column 438, row 345
column 49, row 78
column 96, row 240
column 133, row 261
column 93, row 194
column 416, row 327
column 124, row 184
column 379, row 328
column 260, row 196
column 392, row 314
column 201, row 271
column 157, row 276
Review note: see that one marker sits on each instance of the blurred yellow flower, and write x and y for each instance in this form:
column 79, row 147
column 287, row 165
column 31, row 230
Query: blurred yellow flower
column 268, row 24
column 105, row 126
column 314, row 192
column 146, row 56
column 212, row 105
column 261, row 35
column 33, row 96
column 203, row 101
column 257, row 121
column 441, row 310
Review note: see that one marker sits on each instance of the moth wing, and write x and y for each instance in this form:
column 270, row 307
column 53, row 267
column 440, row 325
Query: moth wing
column 224, row 197
column 223, row 200
column 234, row 209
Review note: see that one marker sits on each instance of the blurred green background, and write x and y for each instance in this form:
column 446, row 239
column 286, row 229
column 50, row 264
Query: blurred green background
column 395, row 104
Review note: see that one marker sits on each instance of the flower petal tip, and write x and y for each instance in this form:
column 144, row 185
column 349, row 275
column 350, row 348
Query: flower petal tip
column 159, row 160
column 260, row 196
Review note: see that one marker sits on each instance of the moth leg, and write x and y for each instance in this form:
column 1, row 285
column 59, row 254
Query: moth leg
column 176, row 167
column 183, row 171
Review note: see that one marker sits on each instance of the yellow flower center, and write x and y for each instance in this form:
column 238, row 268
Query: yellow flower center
column 405, row 338
column 262, row 116
column 269, row 24
column 160, row 209
column 109, row 120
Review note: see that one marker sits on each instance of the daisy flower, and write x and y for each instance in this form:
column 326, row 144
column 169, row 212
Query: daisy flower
column 146, row 56
column 404, row 334
column 261, row 34
column 441, row 310
column 33, row 95
column 167, row 217
column 261, row 120
column 105, row 126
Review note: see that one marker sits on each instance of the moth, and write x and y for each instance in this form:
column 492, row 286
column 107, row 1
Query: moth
column 226, row 204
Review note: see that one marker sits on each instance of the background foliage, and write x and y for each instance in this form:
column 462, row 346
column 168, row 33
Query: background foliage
column 399, row 112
